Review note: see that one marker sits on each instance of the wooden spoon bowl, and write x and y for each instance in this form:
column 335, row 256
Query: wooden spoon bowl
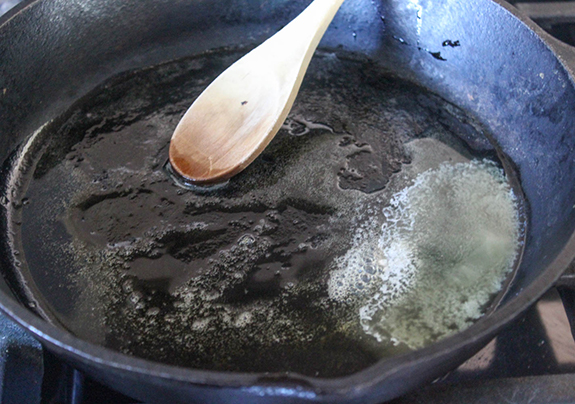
column 241, row 111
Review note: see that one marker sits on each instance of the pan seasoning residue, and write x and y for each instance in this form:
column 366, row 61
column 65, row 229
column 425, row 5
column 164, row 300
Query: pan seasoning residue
column 285, row 267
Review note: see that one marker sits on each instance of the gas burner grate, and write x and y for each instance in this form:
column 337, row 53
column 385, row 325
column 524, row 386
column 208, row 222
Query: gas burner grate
column 555, row 17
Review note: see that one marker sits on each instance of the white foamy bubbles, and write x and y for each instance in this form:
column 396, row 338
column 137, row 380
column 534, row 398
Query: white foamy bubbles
column 446, row 245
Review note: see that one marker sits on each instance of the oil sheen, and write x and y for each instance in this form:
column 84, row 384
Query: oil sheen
column 379, row 220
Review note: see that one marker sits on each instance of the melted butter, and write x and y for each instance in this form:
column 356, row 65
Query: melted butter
column 447, row 244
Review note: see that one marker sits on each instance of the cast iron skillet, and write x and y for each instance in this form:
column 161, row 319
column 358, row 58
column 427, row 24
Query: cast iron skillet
column 515, row 79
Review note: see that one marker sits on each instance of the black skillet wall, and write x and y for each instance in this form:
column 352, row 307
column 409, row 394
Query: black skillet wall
column 474, row 53
column 482, row 58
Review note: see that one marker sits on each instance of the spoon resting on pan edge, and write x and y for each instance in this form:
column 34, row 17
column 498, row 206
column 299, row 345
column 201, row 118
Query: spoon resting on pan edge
column 241, row 111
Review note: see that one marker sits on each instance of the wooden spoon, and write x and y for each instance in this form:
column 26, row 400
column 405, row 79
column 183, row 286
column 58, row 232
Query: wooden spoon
column 241, row 111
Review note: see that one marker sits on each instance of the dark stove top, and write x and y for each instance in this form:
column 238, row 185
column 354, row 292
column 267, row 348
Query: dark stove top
column 533, row 361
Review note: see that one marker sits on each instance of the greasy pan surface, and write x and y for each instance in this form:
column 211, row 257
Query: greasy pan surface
column 54, row 52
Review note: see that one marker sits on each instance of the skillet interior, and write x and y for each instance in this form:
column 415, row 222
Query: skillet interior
column 240, row 277
column 487, row 75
